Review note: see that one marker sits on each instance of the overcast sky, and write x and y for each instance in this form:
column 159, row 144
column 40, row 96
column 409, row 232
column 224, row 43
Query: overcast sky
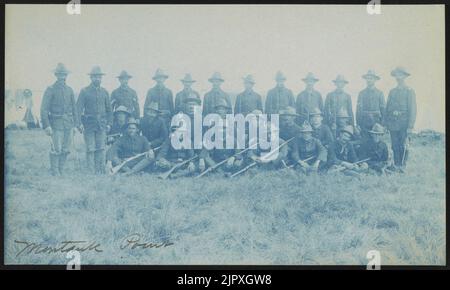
column 234, row 40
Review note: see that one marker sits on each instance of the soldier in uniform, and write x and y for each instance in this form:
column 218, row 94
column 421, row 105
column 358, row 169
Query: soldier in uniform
column 185, row 93
column 279, row 97
column 130, row 145
column 125, row 96
column 342, row 154
column 119, row 126
column 308, row 100
column 59, row 118
column 370, row 106
column 338, row 101
column 94, row 107
column 215, row 96
column 375, row 149
column 153, row 126
column 400, row 116
column 321, row 131
column 248, row 101
column 161, row 95
column 288, row 127
column 306, row 146
column 209, row 158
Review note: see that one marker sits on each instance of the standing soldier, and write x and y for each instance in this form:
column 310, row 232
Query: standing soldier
column 185, row 93
column 161, row 95
column 248, row 100
column 215, row 96
column 94, row 107
column 338, row 101
column 59, row 118
column 153, row 126
column 125, row 96
column 400, row 116
column 309, row 100
column 375, row 150
column 370, row 105
column 279, row 97
column 307, row 152
column 321, row 131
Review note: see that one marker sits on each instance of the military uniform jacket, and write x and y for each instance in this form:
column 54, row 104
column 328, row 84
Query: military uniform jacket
column 155, row 130
column 168, row 152
column 58, row 108
column 370, row 108
column 377, row 152
column 126, row 96
column 323, row 133
column 181, row 97
column 334, row 102
column 248, row 101
column 401, row 109
column 128, row 146
column 303, row 149
column 338, row 153
column 212, row 98
column 161, row 95
column 94, row 107
column 279, row 98
column 307, row 102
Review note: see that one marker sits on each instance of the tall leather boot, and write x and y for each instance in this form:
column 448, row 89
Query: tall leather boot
column 54, row 164
column 90, row 161
column 62, row 162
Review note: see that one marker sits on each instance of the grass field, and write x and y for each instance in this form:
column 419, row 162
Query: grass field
column 260, row 218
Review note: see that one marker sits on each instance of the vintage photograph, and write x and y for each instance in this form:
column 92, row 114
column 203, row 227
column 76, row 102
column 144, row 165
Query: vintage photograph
column 305, row 135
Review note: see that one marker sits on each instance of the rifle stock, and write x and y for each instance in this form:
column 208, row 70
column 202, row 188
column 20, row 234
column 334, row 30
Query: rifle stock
column 166, row 174
column 116, row 169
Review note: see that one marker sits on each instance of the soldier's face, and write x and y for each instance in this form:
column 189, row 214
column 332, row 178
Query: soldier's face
column 310, row 84
column 375, row 137
column 340, row 85
column 344, row 137
column 286, row 119
column 96, row 80
column 190, row 108
column 370, row 81
column 341, row 122
column 123, row 81
column 316, row 120
column 280, row 83
column 248, row 85
column 306, row 136
column 160, row 81
column 151, row 113
column 61, row 77
column 132, row 129
column 187, row 85
column 400, row 78
column 216, row 83
column 121, row 118
column 221, row 111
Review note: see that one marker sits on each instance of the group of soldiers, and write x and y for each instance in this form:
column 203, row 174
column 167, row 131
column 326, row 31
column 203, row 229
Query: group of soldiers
column 315, row 136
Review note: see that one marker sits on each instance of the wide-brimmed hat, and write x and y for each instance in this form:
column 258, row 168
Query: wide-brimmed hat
column 216, row 76
column 377, row 129
column 310, row 77
column 188, row 79
column 249, row 79
column 288, row 111
column 348, row 129
column 154, row 106
column 306, row 127
column 280, row 76
column 221, row 103
column 132, row 120
column 61, row 69
column 315, row 112
column 96, row 70
column 160, row 74
column 340, row 79
column 124, row 75
column 121, row 109
column 342, row 113
column 399, row 71
column 370, row 74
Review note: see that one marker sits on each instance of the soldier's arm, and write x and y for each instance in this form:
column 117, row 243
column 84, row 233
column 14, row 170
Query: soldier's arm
column 45, row 108
column 412, row 109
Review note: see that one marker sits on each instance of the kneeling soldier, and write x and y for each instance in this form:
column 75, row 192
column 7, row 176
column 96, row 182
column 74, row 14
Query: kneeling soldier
column 375, row 149
column 119, row 127
column 321, row 131
column 153, row 126
column 130, row 145
column 308, row 152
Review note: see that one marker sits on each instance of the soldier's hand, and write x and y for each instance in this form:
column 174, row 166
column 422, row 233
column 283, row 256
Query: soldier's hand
column 191, row 167
column 150, row 154
column 303, row 164
column 364, row 166
column 230, row 162
column 201, row 165
column 48, row 131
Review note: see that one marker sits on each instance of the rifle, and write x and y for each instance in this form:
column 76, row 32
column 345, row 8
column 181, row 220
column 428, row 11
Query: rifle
column 225, row 160
column 292, row 165
column 265, row 157
column 116, row 169
column 340, row 168
column 166, row 174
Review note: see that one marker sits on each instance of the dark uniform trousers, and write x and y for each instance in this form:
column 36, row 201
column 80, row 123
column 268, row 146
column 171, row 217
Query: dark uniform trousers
column 400, row 116
column 94, row 107
column 58, row 110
